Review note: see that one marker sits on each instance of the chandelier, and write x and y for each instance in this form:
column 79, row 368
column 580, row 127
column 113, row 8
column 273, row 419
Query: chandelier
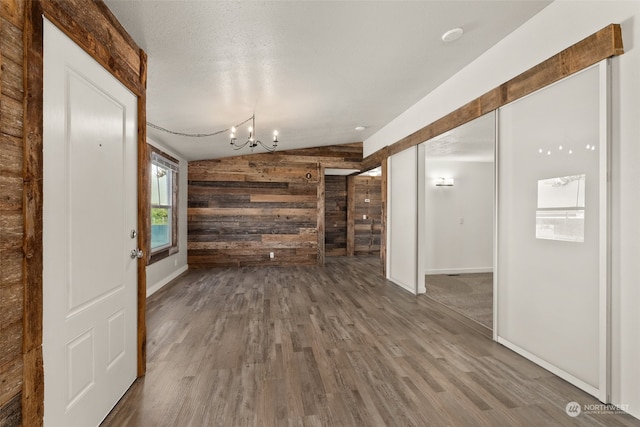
column 252, row 141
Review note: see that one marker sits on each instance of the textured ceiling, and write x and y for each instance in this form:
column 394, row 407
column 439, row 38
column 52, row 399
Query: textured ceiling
column 473, row 141
column 313, row 70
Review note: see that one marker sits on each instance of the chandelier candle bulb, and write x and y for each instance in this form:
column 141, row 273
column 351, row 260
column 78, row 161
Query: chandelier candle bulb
column 252, row 141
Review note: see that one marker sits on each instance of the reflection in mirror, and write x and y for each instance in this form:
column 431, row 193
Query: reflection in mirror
column 560, row 213
column 458, row 214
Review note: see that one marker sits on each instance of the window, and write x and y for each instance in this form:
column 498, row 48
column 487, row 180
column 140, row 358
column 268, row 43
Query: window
column 164, row 205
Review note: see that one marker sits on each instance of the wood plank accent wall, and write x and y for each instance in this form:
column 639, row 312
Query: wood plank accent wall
column 351, row 214
column 365, row 232
column 320, row 195
column 335, row 215
column 242, row 208
column 92, row 26
column 11, row 211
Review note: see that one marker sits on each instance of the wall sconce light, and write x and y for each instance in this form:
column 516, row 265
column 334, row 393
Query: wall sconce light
column 444, row 182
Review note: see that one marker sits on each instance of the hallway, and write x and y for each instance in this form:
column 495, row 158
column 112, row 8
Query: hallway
column 332, row 346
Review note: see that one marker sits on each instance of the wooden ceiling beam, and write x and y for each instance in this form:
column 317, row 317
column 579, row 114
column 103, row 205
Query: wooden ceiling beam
column 601, row 45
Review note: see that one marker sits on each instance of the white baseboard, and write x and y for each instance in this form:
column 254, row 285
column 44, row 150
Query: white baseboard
column 401, row 285
column 459, row 270
column 551, row 368
column 159, row 285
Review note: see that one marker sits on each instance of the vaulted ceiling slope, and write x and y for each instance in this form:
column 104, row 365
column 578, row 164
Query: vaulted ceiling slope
column 313, row 70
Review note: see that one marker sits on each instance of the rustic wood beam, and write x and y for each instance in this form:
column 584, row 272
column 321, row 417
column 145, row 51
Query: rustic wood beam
column 85, row 23
column 144, row 213
column 375, row 159
column 383, row 209
column 33, row 375
column 601, row 45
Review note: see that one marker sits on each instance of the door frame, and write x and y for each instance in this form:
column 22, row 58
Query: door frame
column 605, row 43
column 79, row 23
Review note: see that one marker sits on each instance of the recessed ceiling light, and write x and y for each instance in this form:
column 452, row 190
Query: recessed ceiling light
column 452, row 35
column 359, row 127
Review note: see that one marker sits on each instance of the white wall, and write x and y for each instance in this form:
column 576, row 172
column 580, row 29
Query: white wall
column 162, row 272
column 453, row 247
column 403, row 219
column 555, row 28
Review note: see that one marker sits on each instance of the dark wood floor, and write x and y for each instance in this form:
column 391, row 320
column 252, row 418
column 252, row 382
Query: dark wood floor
column 332, row 346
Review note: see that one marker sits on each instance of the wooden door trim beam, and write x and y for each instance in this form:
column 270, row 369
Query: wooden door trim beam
column 601, row 45
column 116, row 51
column 144, row 213
column 33, row 370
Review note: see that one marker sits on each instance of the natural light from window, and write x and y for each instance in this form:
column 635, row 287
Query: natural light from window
column 161, row 206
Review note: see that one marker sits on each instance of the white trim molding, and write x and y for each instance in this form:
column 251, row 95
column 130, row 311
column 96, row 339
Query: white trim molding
column 160, row 284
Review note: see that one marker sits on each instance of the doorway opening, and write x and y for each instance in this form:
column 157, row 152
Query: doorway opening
column 459, row 219
column 353, row 213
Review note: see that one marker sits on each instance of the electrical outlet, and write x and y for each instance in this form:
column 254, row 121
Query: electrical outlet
column 367, row 200
column 271, row 255
column 364, row 217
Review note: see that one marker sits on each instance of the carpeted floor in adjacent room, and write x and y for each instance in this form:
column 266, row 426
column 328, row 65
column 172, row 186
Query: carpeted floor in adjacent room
column 469, row 294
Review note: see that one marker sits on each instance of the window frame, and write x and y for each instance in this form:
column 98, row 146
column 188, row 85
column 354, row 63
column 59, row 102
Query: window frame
column 162, row 159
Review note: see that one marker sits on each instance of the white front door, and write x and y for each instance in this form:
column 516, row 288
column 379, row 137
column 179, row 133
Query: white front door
column 89, row 212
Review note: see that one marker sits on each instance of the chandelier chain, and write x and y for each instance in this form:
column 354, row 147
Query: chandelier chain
column 195, row 135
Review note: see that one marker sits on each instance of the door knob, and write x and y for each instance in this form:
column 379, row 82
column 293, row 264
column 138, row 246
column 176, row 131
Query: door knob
column 136, row 253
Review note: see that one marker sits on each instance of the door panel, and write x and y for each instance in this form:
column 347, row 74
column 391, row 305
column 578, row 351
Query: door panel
column 94, row 165
column 553, row 252
column 89, row 210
